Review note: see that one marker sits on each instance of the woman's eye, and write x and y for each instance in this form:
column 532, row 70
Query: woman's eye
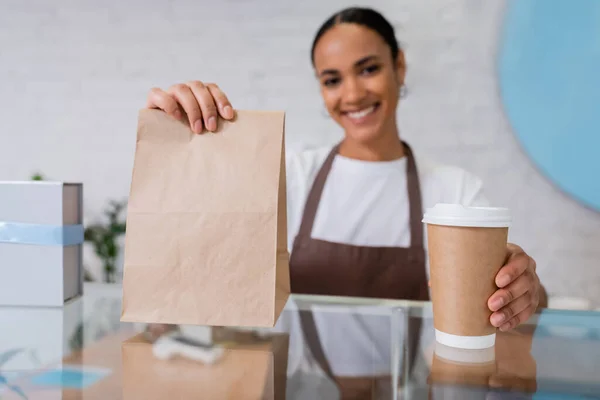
column 370, row 69
column 331, row 82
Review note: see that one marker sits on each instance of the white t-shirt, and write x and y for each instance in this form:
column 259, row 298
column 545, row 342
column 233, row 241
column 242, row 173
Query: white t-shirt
column 363, row 203
column 366, row 203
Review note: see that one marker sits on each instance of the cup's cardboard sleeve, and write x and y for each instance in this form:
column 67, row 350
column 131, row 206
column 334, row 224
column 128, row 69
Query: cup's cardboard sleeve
column 464, row 262
column 206, row 240
column 41, row 239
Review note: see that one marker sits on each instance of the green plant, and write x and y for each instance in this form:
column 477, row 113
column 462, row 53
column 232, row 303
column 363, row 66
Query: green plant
column 76, row 340
column 104, row 238
column 37, row 177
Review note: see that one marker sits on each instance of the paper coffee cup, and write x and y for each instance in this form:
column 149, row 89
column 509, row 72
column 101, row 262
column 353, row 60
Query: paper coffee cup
column 467, row 248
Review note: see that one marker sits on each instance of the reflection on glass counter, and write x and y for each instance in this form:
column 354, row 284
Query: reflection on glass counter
column 321, row 348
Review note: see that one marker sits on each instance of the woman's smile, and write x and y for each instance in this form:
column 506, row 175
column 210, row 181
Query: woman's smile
column 363, row 116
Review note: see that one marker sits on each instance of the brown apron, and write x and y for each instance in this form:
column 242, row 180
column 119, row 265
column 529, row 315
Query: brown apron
column 325, row 268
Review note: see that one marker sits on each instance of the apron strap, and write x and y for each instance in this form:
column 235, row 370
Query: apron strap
column 314, row 196
column 309, row 327
column 414, row 199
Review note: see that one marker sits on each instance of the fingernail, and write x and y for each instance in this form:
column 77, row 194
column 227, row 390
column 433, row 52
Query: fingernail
column 505, row 327
column 503, row 280
column 497, row 303
column 497, row 319
column 212, row 124
column 198, row 126
column 228, row 111
column 177, row 114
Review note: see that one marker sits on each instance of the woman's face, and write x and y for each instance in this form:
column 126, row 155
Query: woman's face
column 359, row 80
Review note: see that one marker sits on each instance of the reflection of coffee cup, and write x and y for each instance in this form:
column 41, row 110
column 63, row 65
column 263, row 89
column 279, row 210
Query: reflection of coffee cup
column 467, row 248
column 465, row 356
column 462, row 366
column 461, row 373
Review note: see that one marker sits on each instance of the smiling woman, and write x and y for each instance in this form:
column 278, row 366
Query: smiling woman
column 355, row 209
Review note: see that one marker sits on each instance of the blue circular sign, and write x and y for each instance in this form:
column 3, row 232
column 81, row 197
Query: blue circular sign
column 549, row 72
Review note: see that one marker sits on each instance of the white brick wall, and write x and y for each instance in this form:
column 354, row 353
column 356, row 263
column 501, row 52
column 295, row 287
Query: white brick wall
column 73, row 74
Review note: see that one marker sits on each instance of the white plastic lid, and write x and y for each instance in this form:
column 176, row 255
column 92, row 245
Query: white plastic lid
column 458, row 215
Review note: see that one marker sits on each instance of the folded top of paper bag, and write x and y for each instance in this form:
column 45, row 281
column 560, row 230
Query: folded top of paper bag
column 177, row 170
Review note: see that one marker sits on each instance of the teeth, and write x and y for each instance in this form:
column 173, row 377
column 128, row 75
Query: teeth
column 361, row 113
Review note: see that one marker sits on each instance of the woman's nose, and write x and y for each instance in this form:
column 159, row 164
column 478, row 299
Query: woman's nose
column 353, row 92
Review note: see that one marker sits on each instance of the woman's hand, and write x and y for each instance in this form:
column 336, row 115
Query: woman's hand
column 520, row 291
column 202, row 103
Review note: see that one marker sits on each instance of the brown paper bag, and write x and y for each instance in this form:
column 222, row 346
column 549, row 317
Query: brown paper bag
column 252, row 371
column 206, row 240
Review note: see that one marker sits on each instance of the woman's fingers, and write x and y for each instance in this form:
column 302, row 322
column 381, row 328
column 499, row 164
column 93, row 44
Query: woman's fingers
column 527, row 282
column 518, row 319
column 158, row 98
column 186, row 99
column 207, row 104
column 223, row 104
column 203, row 104
column 510, row 311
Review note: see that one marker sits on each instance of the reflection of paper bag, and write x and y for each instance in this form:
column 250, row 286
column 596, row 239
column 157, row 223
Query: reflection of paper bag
column 206, row 225
column 256, row 371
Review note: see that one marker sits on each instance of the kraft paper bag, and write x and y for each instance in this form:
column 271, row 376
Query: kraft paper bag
column 251, row 371
column 206, row 240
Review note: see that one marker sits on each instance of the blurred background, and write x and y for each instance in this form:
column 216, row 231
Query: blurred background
column 506, row 89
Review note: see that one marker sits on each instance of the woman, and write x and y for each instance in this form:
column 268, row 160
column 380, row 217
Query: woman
column 355, row 210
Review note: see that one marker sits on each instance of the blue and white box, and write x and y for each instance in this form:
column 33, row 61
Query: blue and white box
column 41, row 240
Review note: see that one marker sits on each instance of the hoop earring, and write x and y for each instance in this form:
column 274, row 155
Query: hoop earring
column 403, row 91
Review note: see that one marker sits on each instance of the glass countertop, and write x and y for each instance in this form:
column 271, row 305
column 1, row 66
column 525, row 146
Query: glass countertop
column 321, row 348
